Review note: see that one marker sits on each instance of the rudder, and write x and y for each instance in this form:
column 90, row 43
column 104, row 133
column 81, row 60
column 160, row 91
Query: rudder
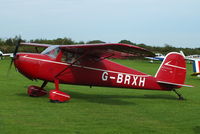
column 172, row 69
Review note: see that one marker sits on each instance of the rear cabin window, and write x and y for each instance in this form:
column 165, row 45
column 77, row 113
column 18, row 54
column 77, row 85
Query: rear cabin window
column 70, row 57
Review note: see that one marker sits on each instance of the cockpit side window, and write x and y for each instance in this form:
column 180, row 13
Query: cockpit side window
column 51, row 51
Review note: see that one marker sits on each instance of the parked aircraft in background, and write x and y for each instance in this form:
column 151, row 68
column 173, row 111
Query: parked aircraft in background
column 196, row 68
column 158, row 57
column 195, row 60
column 5, row 54
column 191, row 57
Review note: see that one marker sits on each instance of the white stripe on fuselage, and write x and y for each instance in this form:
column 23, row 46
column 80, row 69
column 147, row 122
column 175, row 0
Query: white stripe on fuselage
column 61, row 94
column 91, row 68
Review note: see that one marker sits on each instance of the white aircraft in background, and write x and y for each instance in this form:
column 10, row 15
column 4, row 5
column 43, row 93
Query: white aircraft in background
column 5, row 54
column 195, row 63
column 158, row 57
column 191, row 57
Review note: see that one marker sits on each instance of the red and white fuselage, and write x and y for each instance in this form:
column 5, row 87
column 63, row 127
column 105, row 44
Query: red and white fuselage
column 93, row 73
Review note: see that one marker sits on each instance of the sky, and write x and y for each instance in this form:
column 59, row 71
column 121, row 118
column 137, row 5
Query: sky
column 152, row 22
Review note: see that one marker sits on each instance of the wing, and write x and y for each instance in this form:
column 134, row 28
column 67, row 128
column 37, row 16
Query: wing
column 35, row 44
column 115, row 50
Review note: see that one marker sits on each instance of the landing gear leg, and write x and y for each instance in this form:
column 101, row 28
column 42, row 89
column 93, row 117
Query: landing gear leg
column 35, row 91
column 56, row 95
column 180, row 97
column 44, row 84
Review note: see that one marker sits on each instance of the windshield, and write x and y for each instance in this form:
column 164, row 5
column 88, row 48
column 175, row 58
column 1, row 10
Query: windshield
column 51, row 51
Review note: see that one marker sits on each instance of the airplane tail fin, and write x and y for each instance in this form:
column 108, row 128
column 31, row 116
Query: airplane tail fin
column 196, row 67
column 172, row 70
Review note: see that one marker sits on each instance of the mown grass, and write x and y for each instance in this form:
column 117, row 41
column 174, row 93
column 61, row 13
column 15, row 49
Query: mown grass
column 98, row 110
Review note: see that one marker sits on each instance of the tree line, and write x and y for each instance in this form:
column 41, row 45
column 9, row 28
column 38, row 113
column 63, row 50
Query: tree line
column 8, row 45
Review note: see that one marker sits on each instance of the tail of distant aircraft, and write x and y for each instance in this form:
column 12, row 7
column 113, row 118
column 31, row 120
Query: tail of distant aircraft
column 172, row 70
column 196, row 67
column 182, row 53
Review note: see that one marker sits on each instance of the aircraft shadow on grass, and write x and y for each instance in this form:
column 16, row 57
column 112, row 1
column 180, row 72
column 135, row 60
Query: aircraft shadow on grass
column 196, row 130
column 116, row 99
column 113, row 99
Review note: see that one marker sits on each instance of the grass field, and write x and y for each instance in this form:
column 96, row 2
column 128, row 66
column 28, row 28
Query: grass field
column 98, row 110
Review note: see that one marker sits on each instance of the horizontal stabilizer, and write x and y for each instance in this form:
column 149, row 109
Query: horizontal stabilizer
column 174, row 84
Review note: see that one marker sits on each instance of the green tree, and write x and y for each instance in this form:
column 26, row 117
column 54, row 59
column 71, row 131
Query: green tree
column 127, row 42
column 95, row 42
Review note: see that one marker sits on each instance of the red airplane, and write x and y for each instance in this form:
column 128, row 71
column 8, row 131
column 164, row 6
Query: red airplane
column 88, row 65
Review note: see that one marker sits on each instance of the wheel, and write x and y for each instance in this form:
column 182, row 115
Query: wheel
column 58, row 96
column 35, row 91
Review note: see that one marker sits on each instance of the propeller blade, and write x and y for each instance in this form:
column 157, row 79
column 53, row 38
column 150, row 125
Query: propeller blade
column 17, row 44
